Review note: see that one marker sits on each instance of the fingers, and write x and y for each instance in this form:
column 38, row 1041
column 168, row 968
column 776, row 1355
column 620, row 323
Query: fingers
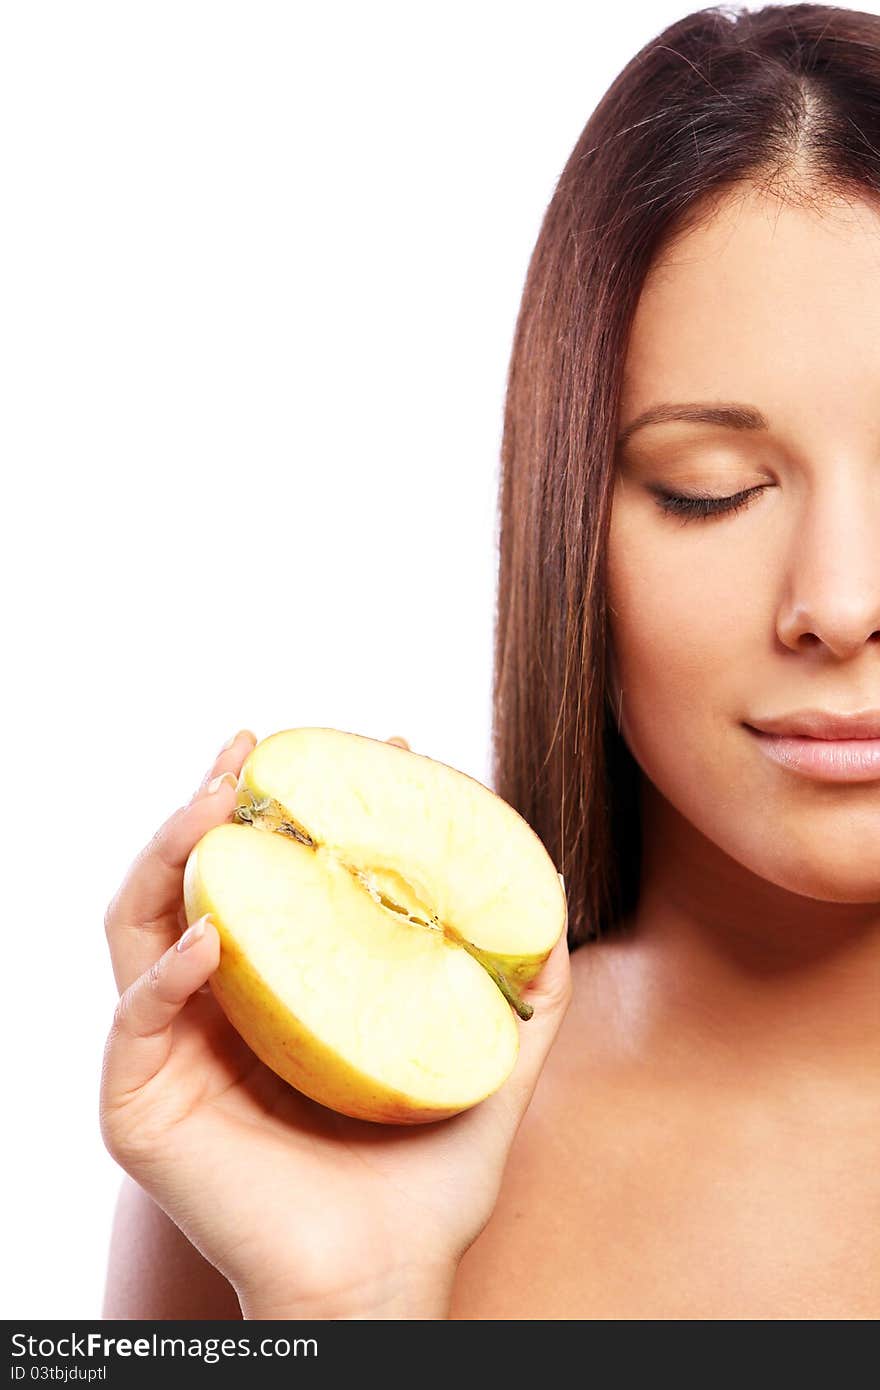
column 549, row 995
column 142, row 919
column 230, row 758
column 140, row 1038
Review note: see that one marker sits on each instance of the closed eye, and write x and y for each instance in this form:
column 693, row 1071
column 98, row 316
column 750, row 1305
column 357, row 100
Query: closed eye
column 698, row 505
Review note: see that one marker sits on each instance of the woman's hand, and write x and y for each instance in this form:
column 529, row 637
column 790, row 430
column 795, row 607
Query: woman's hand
column 308, row 1213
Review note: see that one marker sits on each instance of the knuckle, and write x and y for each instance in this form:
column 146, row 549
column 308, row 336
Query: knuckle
column 121, row 1137
column 110, row 915
column 113, row 1132
column 155, row 846
column 153, row 976
column 121, row 1013
column 114, row 1120
column 128, row 1126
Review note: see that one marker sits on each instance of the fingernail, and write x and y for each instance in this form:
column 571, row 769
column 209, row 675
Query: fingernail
column 217, row 782
column 238, row 733
column 562, row 881
column 193, row 933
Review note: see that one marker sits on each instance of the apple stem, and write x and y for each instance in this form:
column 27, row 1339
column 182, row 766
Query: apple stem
column 518, row 1004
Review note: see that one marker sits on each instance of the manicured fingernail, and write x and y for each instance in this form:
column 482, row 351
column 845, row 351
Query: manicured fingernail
column 217, row 782
column 229, row 742
column 193, row 933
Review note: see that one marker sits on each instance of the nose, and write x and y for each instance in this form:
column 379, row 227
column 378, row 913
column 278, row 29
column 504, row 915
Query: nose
column 832, row 582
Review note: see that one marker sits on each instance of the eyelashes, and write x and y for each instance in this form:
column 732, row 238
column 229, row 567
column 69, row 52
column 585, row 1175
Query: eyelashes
column 701, row 505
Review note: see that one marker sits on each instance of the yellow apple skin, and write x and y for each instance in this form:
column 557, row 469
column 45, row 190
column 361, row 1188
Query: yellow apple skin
column 519, row 971
column 279, row 1039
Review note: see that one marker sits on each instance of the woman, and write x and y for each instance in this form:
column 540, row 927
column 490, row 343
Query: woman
column 690, row 508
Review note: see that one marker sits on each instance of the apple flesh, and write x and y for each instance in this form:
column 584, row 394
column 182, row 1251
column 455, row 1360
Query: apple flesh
column 379, row 913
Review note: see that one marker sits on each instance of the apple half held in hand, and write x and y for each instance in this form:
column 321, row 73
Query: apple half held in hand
column 378, row 914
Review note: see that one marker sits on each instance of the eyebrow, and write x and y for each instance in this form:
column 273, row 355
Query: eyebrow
column 734, row 416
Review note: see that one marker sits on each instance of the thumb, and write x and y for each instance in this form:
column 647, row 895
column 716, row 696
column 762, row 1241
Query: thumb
column 549, row 995
column 140, row 1038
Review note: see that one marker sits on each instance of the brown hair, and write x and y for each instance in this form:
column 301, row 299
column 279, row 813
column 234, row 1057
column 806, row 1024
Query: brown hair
column 787, row 98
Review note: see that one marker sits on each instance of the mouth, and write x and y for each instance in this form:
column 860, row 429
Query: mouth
column 822, row 759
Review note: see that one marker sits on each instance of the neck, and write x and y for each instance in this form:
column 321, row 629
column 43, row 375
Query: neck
column 732, row 970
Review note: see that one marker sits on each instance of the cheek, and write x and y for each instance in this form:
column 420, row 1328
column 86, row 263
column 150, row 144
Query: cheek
column 678, row 641
column 688, row 638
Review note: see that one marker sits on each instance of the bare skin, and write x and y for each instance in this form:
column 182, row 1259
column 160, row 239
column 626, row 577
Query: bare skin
column 705, row 1136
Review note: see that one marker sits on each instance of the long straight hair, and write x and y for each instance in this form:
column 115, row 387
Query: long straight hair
column 786, row 98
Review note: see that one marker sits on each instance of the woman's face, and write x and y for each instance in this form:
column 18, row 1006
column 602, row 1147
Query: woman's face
column 731, row 619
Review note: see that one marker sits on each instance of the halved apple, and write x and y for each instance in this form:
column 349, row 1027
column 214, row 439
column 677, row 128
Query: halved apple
column 378, row 913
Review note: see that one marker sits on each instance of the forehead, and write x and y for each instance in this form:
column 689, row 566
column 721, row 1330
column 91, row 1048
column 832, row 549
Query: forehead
column 762, row 301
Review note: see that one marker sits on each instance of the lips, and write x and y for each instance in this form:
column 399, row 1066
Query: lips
column 821, row 724
column 835, row 749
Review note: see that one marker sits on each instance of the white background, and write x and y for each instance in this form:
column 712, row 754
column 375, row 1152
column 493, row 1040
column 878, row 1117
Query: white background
column 260, row 269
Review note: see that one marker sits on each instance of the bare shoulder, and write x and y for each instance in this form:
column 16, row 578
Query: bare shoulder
column 529, row 1261
column 638, row 1187
column 154, row 1272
